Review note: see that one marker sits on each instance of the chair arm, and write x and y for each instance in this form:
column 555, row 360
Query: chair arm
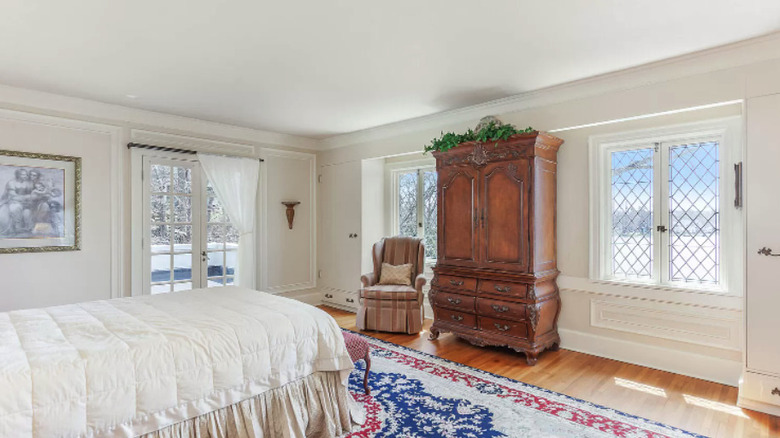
column 368, row 279
column 419, row 282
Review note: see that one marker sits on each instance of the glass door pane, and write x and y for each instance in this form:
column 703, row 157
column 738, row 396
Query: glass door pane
column 220, row 241
column 172, row 219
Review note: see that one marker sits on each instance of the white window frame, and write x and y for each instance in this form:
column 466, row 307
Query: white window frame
column 396, row 170
column 728, row 133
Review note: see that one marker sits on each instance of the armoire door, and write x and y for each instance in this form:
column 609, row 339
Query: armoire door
column 458, row 215
column 763, row 232
column 503, row 225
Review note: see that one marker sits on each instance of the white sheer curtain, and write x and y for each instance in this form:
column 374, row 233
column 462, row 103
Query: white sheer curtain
column 235, row 183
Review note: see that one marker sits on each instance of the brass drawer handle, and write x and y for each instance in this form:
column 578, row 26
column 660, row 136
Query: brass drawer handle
column 503, row 289
column 502, row 328
column 454, row 301
column 500, row 309
column 456, row 317
column 456, row 283
column 776, row 391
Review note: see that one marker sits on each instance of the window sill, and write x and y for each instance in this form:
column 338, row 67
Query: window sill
column 672, row 287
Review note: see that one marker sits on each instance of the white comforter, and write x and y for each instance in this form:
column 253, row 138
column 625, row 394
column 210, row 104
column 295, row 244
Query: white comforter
column 129, row 366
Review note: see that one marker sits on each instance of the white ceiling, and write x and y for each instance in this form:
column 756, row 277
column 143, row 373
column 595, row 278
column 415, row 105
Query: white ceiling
column 320, row 68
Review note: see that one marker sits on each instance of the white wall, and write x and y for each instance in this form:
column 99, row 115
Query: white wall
column 372, row 223
column 42, row 279
column 693, row 334
column 42, row 122
column 288, row 260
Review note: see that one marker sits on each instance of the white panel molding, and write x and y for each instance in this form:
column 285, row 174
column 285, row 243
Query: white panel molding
column 738, row 54
column 709, row 368
column 713, row 328
column 699, row 298
column 263, row 252
column 116, row 181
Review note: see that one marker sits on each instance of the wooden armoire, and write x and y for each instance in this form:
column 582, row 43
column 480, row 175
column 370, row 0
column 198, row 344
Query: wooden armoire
column 495, row 277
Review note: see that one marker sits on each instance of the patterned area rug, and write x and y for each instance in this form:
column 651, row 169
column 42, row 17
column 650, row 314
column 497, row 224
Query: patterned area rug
column 414, row 394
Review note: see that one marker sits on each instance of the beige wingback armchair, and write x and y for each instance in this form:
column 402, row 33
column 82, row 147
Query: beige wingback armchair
column 393, row 308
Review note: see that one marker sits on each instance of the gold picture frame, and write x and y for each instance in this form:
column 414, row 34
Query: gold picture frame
column 40, row 202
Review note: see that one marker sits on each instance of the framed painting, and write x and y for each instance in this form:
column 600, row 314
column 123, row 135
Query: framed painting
column 40, row 202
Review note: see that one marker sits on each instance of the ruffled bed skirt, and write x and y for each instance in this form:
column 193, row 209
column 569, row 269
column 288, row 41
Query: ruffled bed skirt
column 315, row 406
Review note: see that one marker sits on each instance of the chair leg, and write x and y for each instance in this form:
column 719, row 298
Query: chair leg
column 365, row 378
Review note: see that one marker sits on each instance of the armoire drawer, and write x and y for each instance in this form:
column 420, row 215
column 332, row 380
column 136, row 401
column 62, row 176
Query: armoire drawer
column 457, row 283
column 462, row 318
column 504, row 327
column 504, row 288
column 501, row 309
column 760, row 387
column 454, row 301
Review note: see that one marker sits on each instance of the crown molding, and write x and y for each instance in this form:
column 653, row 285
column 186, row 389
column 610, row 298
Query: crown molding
column 762, row 48
column 39, row 102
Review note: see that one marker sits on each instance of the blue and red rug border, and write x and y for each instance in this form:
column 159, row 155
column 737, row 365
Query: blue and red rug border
column 528, row 385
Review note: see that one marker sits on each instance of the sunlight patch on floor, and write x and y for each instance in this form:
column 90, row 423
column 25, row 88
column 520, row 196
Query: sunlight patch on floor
column 716, row 406
column 630, row 384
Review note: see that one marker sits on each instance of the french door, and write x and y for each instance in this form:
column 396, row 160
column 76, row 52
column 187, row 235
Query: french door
column 188, row 242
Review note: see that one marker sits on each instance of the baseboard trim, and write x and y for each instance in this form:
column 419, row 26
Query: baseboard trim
column 726, row 372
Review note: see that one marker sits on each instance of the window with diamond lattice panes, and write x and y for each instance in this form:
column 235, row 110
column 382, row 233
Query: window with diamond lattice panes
column 666, row 207
column 632, row 213
column 694, row 213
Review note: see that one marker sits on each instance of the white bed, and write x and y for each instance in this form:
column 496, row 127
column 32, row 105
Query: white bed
column 133, row 366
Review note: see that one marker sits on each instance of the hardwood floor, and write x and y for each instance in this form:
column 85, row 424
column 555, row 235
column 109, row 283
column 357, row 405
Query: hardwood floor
column 695, row 405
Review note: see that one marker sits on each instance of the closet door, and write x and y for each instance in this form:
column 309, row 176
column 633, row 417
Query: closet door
column 504, row 195
column 340, row 254
column 458, row 216
column 763, row 232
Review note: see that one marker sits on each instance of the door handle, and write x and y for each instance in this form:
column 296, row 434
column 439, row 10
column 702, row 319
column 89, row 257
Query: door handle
column 767, row 252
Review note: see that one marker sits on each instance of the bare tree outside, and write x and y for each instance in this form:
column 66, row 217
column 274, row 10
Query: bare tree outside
column 410, row 194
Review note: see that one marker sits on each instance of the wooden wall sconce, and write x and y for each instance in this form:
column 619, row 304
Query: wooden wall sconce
column 290, row 211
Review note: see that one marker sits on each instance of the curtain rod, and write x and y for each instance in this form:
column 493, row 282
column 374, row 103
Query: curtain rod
column 167, row 149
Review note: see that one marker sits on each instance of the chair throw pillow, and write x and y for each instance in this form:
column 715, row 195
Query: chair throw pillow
column 396, row 274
